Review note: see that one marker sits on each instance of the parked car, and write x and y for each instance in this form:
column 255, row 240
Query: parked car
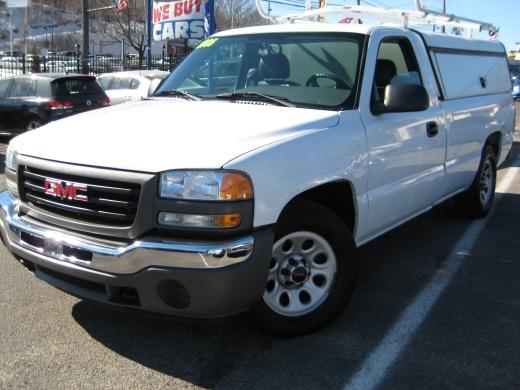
column 250, row 186
column 130, row 86
column 516, row 89
column 63, row 66
column 27, row 102
column 10, row 63
column 514, row 69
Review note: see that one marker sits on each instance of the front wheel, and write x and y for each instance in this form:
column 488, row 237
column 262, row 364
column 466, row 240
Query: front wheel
column 476, row 201
column 312, row 272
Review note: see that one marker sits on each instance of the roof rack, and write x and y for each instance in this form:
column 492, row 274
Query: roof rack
column 406, row 18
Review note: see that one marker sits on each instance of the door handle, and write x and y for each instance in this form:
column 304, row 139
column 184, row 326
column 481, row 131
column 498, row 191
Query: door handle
column 432, row 129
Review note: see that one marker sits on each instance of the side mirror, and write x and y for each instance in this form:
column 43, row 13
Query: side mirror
column 404, row 98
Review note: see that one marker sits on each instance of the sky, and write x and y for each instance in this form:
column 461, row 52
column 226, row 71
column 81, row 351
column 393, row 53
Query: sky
column 504, row 14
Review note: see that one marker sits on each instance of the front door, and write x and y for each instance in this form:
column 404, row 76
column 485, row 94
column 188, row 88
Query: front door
column 406, row 150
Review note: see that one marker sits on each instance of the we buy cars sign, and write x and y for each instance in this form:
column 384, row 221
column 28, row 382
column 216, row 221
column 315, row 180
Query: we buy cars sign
column 183, row 19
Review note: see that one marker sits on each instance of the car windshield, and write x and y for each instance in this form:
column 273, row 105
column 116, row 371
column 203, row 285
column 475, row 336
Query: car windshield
column 304, row 69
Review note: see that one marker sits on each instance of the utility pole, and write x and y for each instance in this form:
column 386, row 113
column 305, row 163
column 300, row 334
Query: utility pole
column 25, row 34
column 232, row 15
column 85, row 36
column 149, row 27
column 443, row 11
column 52, row 27
column 11, row 28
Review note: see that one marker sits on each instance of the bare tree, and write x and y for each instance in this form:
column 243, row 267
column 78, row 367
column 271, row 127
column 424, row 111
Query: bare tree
column 236, row 13
column 129, row 25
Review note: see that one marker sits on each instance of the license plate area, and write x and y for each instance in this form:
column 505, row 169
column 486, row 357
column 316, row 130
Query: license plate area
column 55, row 248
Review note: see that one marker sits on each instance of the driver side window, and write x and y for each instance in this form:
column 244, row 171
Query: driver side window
column 396, row 64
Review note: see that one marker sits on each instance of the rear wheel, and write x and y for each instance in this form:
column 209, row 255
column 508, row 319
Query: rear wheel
column 32, row 124
column 477, row 200
column 312, row 272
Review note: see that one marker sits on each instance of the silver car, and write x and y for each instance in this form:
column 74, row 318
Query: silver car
column 128, row 86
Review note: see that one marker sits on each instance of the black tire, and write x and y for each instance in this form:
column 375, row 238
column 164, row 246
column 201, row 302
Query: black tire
column 313, row 228
column 33, row 123
column 477, row 200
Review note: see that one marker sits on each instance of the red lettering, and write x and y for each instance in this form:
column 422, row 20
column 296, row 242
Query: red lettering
column 69, row 190
column 188, row 7
column 166, row 12
column 81, row 197
column 157, row 14
column 177, row 9
column 198, row 4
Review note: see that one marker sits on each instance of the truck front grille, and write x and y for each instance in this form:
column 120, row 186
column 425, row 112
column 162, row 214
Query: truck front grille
column 107, row 201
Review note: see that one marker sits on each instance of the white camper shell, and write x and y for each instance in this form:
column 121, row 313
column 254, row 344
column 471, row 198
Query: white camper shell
column 258, row 167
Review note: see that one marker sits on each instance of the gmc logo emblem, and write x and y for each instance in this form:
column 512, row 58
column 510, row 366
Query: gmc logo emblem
column 66, row 190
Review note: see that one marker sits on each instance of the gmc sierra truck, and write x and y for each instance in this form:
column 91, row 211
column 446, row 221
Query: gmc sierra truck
column 260, row 164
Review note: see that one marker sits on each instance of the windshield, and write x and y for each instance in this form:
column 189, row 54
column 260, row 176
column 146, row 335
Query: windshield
column 318, row 69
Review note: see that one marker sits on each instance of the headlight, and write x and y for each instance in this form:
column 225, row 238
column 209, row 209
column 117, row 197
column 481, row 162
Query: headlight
column 11, row 167
column 205, row 185
column 11, row 158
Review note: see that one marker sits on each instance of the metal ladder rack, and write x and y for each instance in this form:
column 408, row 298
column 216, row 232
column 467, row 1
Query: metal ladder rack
column 406, row 18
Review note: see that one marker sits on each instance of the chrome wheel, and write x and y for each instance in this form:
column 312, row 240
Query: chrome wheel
column 302, row 274
column 487, row 178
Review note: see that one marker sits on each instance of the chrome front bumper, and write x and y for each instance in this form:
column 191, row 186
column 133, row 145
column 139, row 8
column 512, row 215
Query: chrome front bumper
column 27, row 237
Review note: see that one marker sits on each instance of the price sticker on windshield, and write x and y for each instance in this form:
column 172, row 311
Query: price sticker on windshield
column 207, row 43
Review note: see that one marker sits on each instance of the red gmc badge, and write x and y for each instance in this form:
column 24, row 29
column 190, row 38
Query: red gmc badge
column 66, row 189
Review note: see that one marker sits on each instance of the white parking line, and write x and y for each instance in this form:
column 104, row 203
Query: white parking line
column 376, row 366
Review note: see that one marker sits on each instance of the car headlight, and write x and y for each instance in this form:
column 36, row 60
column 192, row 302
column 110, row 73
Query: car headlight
column 11, row 158
column 205, row 185
column 11, row 167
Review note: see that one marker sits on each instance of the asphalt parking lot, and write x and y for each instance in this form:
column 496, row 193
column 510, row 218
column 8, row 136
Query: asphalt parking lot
column 437, row 306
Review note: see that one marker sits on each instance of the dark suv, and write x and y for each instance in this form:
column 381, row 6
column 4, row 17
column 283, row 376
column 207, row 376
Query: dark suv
column 27, row 102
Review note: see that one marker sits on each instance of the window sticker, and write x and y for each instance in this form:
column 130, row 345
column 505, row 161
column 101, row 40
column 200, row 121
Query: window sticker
column 207, row 43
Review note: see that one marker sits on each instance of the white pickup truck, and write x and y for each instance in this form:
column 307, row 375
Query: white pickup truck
column 260, row 165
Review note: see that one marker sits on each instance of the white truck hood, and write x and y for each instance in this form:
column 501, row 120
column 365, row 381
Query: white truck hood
column 158, row 135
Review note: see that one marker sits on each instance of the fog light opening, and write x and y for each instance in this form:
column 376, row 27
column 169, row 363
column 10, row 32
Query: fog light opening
column 174, row 294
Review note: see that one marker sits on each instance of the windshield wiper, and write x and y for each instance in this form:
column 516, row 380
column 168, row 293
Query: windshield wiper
column 281, row 101
column 178, row 92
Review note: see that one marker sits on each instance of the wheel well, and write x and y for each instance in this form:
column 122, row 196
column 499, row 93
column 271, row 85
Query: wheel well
column 494, row 141
column 336, row 196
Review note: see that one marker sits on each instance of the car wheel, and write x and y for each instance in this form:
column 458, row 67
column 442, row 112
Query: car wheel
column 312, row 272
column 476, row 201
column 32, row 124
